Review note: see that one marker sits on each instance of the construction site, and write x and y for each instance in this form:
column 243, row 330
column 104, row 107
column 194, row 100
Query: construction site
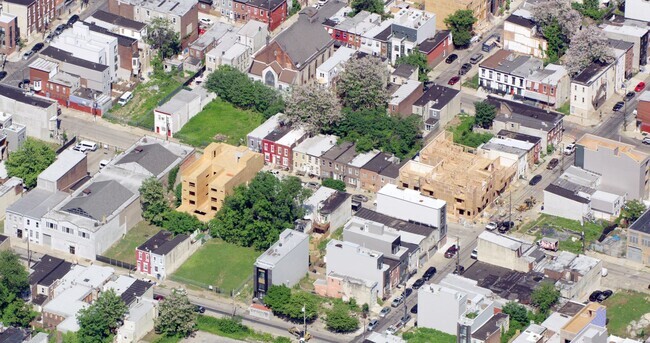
column 456, row 174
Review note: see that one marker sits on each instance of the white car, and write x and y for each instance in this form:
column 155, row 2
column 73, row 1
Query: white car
column 206, row 21
column 474, row 254
column 570, row 149
column 491, row 226
column 646, row 140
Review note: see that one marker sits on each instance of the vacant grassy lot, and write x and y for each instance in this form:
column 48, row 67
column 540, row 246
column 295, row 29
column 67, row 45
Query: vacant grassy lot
column 219, row 264
column 624, row 307
column 464, row 134
column 592, row 231
column 124, row 249
column 219, row 117
column 425, row 335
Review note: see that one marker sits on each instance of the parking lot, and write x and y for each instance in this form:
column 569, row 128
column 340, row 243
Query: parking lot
column 95, row 157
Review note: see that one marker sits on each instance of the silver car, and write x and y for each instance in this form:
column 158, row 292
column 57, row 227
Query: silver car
column 372, row 324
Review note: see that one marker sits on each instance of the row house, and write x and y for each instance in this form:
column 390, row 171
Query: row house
column 535, row 153
column 334, row 162
column 236, row 49
column 376, row 173
column 278, row 146
column 624, row 62
column 118, row 24
column 128, row 52
column 505, row 72
column 548, row 86
column 520, row 34
column 349, row 30
column 353, row 177
column 307, row 155
column 8, row 33
column 643, row 112
column 328, row 72
column 210, row 38
column 637, row 34
column 437, row 106
column 271, row 12
column 402, row 100
column 163, row 253
column 32, row 15
column 591, row 88
column 437, row 48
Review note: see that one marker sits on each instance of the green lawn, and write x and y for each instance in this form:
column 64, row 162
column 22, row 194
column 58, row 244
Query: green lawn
column 471, row 83
column 464, row 134
column 219, row 264
column 565, row 108
column 624, row 307
column 425, row 335
column 124, row 249
column 219, row 117
column 592, row 230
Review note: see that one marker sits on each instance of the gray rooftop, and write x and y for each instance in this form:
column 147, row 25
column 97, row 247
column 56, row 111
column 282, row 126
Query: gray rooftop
column 289, row 240
column 179, row 101
column 66, row 160
column 317, row 145
column 551, row 74
column 361, row 159
column 154, row 158
column 99, row 200
column 218, row 30
column 179, row 7
column 36, row 203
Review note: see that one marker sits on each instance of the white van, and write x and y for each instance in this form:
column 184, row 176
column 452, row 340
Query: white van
column 88, row 145
column 103, row 163
column 125, row 98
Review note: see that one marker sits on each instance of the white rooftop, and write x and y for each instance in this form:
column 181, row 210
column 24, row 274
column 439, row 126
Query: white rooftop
column 361, row 159
column 311, row 204
column 412, row 196
column 556, row 321
column 43, row 65
column 92, row 276
column 626, row 30
column 501, row 240
column 236, row 50
column 291, row 137
column 341, row 55
column 377, row 337
column 645, row 96
column 532, row 334
column 404, row 91
column 317, row 145
column 251, row 28
column 120, row 285
column 289, row 240
column 66, row 160
column 266, row 127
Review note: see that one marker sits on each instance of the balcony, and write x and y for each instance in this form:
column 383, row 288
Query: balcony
column 321, row 228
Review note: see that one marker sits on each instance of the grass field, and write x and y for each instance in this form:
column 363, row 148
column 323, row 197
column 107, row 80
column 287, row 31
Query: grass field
column 425, row 335
column 219, row 264
column 624, row 307
column 219, row 117
column 464, row 134
column 124, row 249
column 472, row 82
column 592, row 230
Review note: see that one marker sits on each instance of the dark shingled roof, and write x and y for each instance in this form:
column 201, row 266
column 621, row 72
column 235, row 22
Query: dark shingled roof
column 490, row 327
column 431, row 43
column 333, row 202
column 278, row 133
column 153, row 157
column 263, row 4
column 121, row 40
column 3, row 238
column 336, row 151
column 48, row 270
column 506, row 283
column 392, row 171
column 565, row 193
column 378, row 163
column 525, row 115
column 20, row 96
column 441, row 93
column 404, row 70
column 67, row 57
column 398, row 224
column 521, row 21
column 137, row 289
column 642, row 224
column 571, row 308
column 118, row 20
column 162, row 243
column 99, row 200
column 518, row 136
column 589, row 72
column 12, row 335
column 21, row 2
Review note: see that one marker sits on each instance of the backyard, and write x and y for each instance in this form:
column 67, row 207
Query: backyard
column 624, row 307
column 219, row 118
column 567, row 231
column 219, row 264
column 124, row 249
column 464, row 132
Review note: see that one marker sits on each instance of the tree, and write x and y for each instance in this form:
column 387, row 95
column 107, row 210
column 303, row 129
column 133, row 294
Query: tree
column 181, row 223
column 18, row 313
column 557, row 43
column 545, row 296
column 362, row 84
column 485, row 113
column 29, row 161
column 295, row 8
column 152, row 200
column 339, row 319
column 298, row 301
column 177, row 316
column 277, row 298
column 516, row 311
column 313, row 107
column 255, row 214
column 590, row 8
column 587, row 46
column 162, row 37
column 632, row 210
column 334, row 184
column 373, row 6
column 70, row 337
column 417, row 59
column 558, row 22
column 461, row 23
column 99, row 321
column 13, row 276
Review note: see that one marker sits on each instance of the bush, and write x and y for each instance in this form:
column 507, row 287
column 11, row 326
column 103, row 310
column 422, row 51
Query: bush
column 334, row 184
column 339, row 319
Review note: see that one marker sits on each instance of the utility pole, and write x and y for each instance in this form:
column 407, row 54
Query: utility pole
column 510, row 211
column 457, row 253
column 625, row 116
column 304, row 320
column 562, row 154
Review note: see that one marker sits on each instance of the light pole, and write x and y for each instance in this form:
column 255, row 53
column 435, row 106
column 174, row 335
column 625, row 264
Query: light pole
column 304, row 319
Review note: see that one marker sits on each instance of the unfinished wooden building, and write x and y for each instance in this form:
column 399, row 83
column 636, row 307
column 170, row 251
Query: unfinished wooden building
column 457, row 175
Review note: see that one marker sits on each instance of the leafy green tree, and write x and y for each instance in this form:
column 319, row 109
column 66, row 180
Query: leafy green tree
column 516, row 311
column 461, row 23
column 334, row 184
column 177, row 316
column 362, row 84
column 417, row 59
column 19, row 313
column 162, row 37
column 295, row 8
column 153, row 202
column 277, row 297
column 13, row 276
column 181, row 223
column 171, row 177
column 484, row 114
column 29, row 161
column 298, row 301
column 312, row 107
column 544, row 297
column 373, row 6
column 339, row 319
column 632, row 210
column 99, row 321
column 557, row 41
column 178, row 195
column 70, row 337
column 255, row 214
column 590, row 8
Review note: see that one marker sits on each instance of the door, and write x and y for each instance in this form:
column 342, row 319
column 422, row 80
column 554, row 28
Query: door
column 47, row 240
column 73, row 250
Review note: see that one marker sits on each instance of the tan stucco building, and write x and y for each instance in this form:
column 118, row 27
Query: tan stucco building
column 208, row 180
column 445, row 8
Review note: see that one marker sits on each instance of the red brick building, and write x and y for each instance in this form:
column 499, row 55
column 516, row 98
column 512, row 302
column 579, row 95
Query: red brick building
column 350, row 31
column 278, row 145
column 437, row 48
column 272, row 12
column 643, row 112
column 8, row 32
column 33, row 15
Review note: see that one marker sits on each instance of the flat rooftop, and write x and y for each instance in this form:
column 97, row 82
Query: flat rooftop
column 506, row 283
column 411, row 196
column 66, row 160
column 594, row 143
column 289, row 240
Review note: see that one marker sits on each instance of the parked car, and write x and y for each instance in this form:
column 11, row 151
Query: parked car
column 397, row 301
column 429, row 273
column 28, row 54
column 646, row 140
column 372, row 324
column 507, row 224
column 405, row 319
column 406, row 293
column 604, row 295
column 474, row 254
column 476, row 58
column 618, row 106
column 639, row 87
column 72, row 20
column 299, row 333
column 464, row 69
column 451, row 251
column 535, row 180
column 37, row 47
column 629, row 96
column 459, row 270
column 199, row 309
column 414, row 309
column 418, row 283
column 391, row 330
column 570, row 149
column 49, row 37
column 384, row 312
column 552, row 164
column 206, row 21
column 359, row 198
column 594, row 295
column 3, row 74
column 313, row 185
column 491, row 226
column 454, row 80
column 59, row 29
column 158, row 297
column 451, row 58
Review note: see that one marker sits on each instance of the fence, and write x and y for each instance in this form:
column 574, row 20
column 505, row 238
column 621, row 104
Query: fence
column 114, row 262
column 212, row 288
column 66, row 145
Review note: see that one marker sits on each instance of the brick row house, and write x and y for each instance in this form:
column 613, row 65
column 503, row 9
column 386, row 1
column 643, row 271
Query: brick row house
column 278, row 145
column 271, row 12
column 33, row 15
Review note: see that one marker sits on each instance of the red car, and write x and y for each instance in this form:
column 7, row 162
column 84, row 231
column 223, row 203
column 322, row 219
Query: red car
column 639, row 87
column 453, row 80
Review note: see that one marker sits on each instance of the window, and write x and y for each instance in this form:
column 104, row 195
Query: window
column 192, row 184
column 266, row 146
column 68, row 230
column 286, row 152
column 37, row 224
column 28, row 222
column 634, row 239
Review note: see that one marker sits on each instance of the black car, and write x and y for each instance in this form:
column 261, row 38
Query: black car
column 629, row 96
column 618, row 106
column 414, row 309
column 535, row 180
column 506, row 225
column 73, row 20
column 418, row 283
column 464, row 69
column 37, row 47
column 407, row 292
column 451, row 58
column 199, row 309
column 604, row 295
column 3, row 74
column 459, row 270
column 429, row 273
column 594, row 296
column 59, row 29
